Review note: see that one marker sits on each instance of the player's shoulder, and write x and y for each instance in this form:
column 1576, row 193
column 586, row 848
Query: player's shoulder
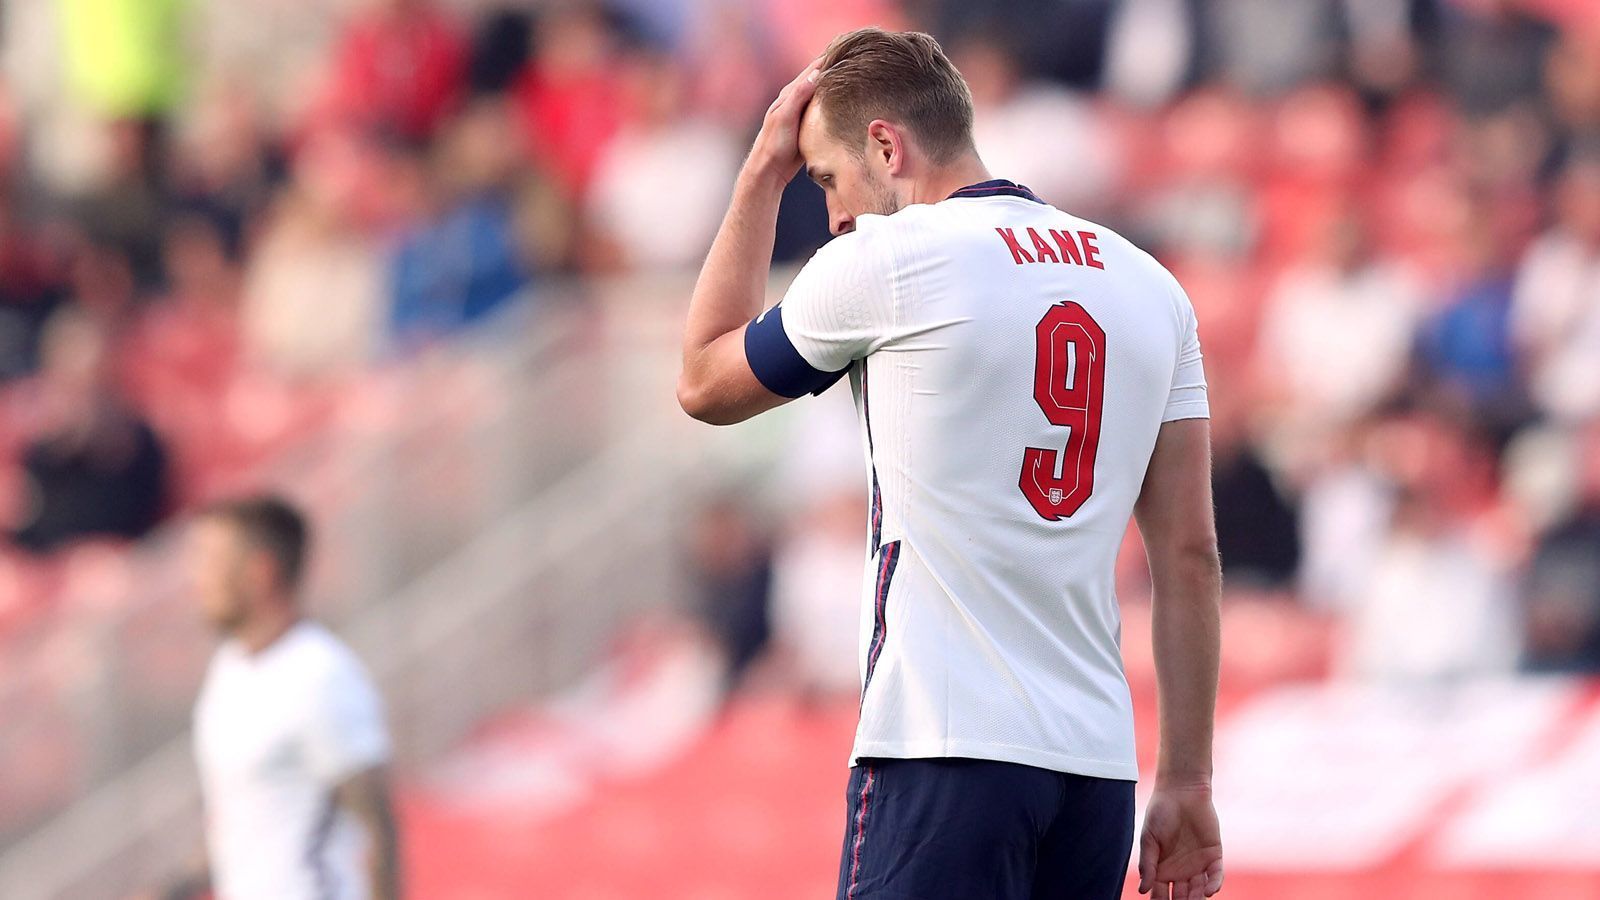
column 227, row 658
column 871, row 234
column 1131, row 257
column 914, row 218
column 910, row 232
column 865, row 252
column 319, row 655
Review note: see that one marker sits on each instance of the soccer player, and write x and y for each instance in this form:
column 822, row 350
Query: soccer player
column 1026, row 380
column 288, row 730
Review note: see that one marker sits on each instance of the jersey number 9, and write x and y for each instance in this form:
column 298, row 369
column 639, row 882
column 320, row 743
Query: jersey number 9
column 1069, row 378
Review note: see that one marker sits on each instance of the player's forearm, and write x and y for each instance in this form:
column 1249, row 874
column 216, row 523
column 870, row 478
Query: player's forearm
column 385, row 865
column 1187, row 637
column 366, row 795
column 377, row 811
column 733, row 282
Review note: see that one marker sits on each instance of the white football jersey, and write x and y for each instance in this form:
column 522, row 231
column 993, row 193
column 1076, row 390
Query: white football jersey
column 275, row 733
column 1012, row 365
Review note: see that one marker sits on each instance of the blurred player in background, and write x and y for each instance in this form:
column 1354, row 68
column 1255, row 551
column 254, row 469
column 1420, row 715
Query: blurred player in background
column 288, row 730
column 1026, row 380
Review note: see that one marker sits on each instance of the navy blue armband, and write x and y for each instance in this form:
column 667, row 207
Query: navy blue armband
column 777, row 364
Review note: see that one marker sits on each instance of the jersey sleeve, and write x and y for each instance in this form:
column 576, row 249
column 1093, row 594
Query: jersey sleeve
column 838, row 309
column 1187, row 398
column 344, row 731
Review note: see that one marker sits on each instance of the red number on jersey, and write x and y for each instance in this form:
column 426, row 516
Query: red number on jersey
column 1069, row 379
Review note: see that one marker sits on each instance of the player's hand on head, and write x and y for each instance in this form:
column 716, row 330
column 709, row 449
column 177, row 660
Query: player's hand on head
column 1180, row 849
column 777, row 146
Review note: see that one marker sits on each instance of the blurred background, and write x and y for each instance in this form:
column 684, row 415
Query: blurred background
column 421, row 265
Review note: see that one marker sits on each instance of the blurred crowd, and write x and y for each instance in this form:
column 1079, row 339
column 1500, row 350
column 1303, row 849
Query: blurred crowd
column 1387, row 214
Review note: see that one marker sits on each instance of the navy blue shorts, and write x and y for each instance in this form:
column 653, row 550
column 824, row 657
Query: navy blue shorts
column 965, row 829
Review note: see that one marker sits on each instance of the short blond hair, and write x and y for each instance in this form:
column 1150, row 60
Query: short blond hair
column 900, row 76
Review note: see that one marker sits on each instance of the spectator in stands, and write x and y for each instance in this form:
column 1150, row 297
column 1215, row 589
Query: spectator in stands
column 1346, row 506
column 186, row 345
column 1257, row 531
column 1385, row 55
column 1561, row 590
column 466, row 257
column 125, row 58
column 29, row 291
column 1437, row 601
column 1336, row 336
column 312, row 290
column 1490, row 54
column 398, row 69
column 126, row 69
column 1556, row 303
column 1572, row 85
column 126, row 209
column 1465, row 347
column 642, row 179
column 501, row 42
column 570, row 94
column 1150, row 51
column 275, row 57
column 225, row 164
column 94, row 468
column 102, row 283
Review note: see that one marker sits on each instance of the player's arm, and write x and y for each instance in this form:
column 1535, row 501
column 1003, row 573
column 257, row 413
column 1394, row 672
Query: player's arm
column 365, row 795
column 347, row 749
column 1180, row 850
column 717, row 384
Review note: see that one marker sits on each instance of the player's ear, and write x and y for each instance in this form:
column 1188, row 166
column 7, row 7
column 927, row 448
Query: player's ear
column 884, row 143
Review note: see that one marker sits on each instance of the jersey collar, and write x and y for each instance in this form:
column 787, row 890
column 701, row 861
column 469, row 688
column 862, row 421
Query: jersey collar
column 996, row 187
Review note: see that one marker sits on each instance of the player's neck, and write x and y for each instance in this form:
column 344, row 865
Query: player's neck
column 943, row 181
column 264, row 629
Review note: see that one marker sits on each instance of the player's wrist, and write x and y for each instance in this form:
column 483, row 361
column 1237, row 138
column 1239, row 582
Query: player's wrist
column 1181, row 780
